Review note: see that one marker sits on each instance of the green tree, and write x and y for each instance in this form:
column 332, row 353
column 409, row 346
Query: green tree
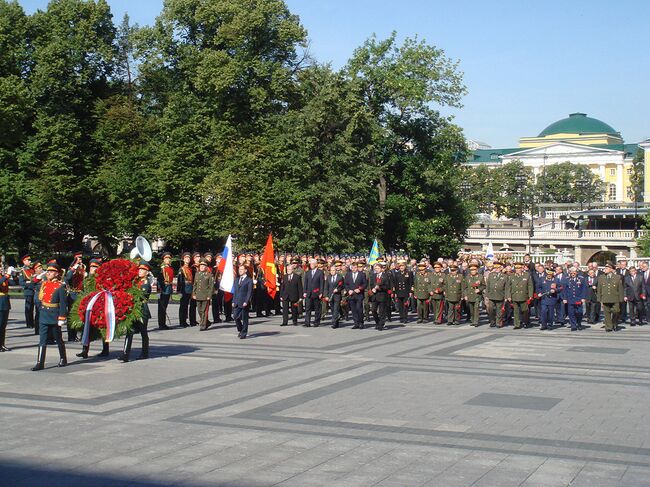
column 568, row 183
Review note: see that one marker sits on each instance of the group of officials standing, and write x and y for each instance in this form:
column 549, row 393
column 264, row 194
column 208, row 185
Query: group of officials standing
column 308, row 287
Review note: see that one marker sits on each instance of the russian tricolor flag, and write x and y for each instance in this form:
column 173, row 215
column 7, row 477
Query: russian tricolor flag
column 226, row 268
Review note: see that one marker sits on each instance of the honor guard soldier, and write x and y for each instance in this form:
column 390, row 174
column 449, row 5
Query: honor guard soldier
column 184, row 288
column 89, row 284
column 610, row 294
column 574, row 295
column 54, row 312
column 422, row 290
column 402, row 289
column 37, row 280
column 202, row 292
column 438, row 279
column 453, row 294
column 140, row 326
column 196, row 258
column 74, row 279
column 474, row 285
column 520, row 292
column 165, row 285
column 25, row 281
column 495, row 290
column 5, row 306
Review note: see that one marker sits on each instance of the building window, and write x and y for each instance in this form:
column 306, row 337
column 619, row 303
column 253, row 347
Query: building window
column 629, row 171
column 612, row 172
column 611, row 192
column 630, row 194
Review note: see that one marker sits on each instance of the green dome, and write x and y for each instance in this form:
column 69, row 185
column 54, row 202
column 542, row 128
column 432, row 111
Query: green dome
column 578, row 123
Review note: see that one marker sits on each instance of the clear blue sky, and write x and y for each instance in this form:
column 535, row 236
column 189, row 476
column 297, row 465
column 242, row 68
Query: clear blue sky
column 526, row 63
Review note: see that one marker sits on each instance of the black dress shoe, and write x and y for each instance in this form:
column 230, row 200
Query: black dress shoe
column 4, row 349
column 241, row 337
column 183, row 325
column 355, row 327
column 163, row 327
column 335, row 326
column 284, row 324
column 307, row 326
column 361, row 327
column 63, row 362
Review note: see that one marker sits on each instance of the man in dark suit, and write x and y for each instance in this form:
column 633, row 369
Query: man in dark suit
column 634, row 296
column 313, row 292
column 355, row 283
column 644, row 271
column 379, row 286
column 402, row 287
column 591, row 303
column 333, row 286
column 621, row 270
column 241, row 300
column 290, row 294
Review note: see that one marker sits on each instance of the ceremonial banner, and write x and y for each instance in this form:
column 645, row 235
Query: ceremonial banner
column 226, row 267
column 268, row 267
column 374, row 253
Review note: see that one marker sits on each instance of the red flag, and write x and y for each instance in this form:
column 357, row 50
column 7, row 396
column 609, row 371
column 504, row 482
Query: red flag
column 268, row 267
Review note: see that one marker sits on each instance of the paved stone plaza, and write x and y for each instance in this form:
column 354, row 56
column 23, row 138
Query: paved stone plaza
column 293, row 406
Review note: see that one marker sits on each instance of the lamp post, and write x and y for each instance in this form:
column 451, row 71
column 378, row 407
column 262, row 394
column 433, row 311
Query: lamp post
column 521, row 179
column 581, row 185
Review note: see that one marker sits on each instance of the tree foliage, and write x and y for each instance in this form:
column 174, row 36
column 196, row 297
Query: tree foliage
column 216, row 120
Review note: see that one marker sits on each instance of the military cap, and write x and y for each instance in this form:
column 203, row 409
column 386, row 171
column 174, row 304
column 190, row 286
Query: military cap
column 144, row 265
column 188, row 254
column 78, row 253
column 37, row 263
column 609, row 264
column 496, row 263
column 26, row 256
column 94, row 263
column 295, row 261
column 422, row 265
column 54, row 267
column 401, row 262
column 196, row 254
column 52, row 261
column 166, row 254
column 437, row 264
column 518, row 264
column 453, row 267
column 203, row 262
column 338, row 262
column 550, row 271
column 473, row 266
column 208, row 253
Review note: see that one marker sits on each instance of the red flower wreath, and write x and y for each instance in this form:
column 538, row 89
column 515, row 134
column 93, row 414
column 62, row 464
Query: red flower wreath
column 117, row 274
column 122, row 301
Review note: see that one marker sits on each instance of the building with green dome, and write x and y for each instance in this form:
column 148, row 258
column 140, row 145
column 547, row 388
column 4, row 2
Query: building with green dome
column 579, row 139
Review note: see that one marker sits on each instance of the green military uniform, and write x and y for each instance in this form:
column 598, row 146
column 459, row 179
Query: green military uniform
column 495, row 290
column 422, row 288
column 520, row 290
column 202, row 292
column 438, row 280
column 609, row 292
column 474, row 285
column 453, row 295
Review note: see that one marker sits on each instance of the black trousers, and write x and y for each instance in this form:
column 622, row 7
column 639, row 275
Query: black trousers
column 183, row 309
column 216, row 308
column 192, row 311
column 29, row 310
column 356, row 307
column 335, row 308
column 593, row 311
column 312, row 304
column 379, row 313
column 287, row 306
column 163, row 302
column 4, row 319
column 403, row 308
column 241, row 319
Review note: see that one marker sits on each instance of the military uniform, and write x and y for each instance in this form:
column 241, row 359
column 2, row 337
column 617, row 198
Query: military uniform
column 520, row 291
column 610, row 294
column 402, row 285
column 496, row 291
column 74, row 279
column 453, row 295
column 422, row 290
column 54, row 310
column 437, row 299
column 574, row 292
column 548, row 298
column 184, row 288
column 474, row 285
column 165, row 287
column 140, row 326
column 5, row 306
column 202, row 293
column 25, row 281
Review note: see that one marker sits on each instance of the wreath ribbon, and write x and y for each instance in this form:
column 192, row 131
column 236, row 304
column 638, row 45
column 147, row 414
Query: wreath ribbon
column 109, row 313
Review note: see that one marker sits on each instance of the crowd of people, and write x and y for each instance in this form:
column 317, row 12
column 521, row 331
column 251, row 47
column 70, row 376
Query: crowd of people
column 310, row 289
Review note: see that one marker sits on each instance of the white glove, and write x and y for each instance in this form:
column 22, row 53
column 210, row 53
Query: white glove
column 61, row 322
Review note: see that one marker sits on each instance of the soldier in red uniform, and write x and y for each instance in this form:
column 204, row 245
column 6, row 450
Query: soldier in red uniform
column 165, row 288
column 25, row 281
column 54, row 310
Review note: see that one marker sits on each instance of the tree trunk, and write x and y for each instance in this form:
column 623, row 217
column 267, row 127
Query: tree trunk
column 382, row 188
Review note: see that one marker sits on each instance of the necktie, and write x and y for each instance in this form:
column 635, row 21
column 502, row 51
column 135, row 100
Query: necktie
column 240, row 280
column 354, row 276
column 313, row 272
column 290, row 276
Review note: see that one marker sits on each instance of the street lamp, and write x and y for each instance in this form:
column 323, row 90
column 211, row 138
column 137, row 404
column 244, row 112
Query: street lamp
column 581, row 185
column 521, row 179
